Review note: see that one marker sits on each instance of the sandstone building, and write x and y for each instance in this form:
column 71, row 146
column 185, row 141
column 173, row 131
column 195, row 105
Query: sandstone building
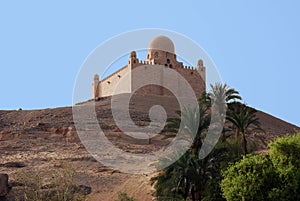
column 161, row 51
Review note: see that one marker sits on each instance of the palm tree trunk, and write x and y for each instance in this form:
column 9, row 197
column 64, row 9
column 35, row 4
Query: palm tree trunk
column 185, row 193
column 193, row 194
column 197, row 189
column 237, row 132
column 199, row 194
column 244, row 144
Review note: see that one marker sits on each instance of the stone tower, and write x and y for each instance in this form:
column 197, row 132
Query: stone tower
column 95, row 86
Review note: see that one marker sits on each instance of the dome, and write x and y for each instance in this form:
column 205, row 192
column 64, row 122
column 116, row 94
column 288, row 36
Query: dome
column 162, row 43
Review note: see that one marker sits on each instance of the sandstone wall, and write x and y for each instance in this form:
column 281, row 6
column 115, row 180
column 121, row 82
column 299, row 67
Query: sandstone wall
column 194, row 79
column 107, row 86
column 171, row 83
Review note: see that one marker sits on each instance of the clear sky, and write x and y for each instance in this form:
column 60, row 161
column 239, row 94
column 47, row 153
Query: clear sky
column 255, row 45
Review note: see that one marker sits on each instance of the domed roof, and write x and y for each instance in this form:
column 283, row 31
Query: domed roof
column 162, row 43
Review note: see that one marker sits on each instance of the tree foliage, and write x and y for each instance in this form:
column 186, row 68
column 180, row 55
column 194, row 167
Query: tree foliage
column 243, row 119
column 221, row 94
column 190, row 177
column 255, row 177
column 285, row 156
column 249, row 179
column 263, row 177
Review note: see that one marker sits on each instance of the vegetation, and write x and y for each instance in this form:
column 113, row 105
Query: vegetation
column 249, row 179
column 189, row 177
column 61, row 186
column 263, row 177
column 226, row 174
column 124, row 197
column 243, row 118
column 220, row 95
column 285, row 156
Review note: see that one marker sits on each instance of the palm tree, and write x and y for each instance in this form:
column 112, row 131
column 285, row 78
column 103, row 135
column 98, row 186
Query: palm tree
column 189, row 173
column 170, row 184
column 220, row 95
column 194, row 124
column 186, row 177
column 243, row 118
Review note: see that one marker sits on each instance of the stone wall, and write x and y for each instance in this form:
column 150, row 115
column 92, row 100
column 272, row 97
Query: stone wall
column 190, row 75
column 193, row 77
column 108, row 85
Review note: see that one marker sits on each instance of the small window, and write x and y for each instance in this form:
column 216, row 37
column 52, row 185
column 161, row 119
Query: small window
column 156, row 55
column 147, row 56
column 166, row 64
column 108, row 82
column 133, row 61
column 170, row 66
column 192, row 73
column 119, row 76
column 168, row 61
column 129, row 62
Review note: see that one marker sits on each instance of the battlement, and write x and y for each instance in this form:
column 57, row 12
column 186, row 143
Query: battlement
column 189, row 67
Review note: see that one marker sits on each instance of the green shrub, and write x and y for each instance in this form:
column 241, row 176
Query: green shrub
column 249, row 179
column 61, row 186
column 274, row 177
column 285, row 155
column 124, row 197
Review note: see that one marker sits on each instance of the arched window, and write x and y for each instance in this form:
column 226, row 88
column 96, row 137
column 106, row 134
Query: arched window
column 134, row 61
column 147, row 56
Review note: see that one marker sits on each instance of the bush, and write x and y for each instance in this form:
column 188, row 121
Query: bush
column 124, row 197
column 61, row 187
column 249, row 179
column 266, row 178
column 285, row 156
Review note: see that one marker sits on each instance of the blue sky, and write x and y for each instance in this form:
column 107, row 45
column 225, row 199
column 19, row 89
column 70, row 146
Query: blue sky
column 255, row 45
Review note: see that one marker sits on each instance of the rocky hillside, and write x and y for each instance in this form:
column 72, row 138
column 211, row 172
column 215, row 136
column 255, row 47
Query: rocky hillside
column 40, row 139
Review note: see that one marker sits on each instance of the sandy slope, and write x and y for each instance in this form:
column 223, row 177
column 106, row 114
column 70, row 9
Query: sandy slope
column 43, row 139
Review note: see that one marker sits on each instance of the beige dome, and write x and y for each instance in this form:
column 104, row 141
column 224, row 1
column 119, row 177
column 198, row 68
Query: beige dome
column 162, row 43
